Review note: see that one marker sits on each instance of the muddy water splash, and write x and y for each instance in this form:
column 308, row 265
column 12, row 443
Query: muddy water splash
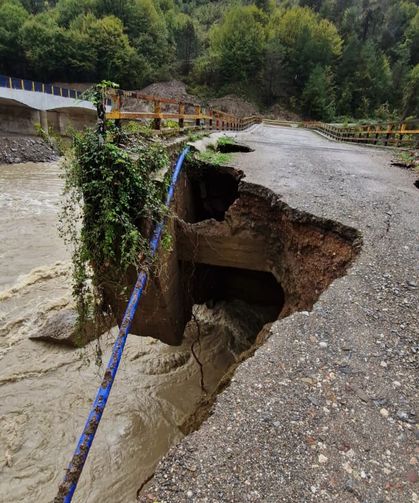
column 46, row 390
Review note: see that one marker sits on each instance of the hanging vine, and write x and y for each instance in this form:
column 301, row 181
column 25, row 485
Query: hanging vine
column 110, row 201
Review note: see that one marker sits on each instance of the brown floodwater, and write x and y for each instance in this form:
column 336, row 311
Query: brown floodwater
column 46, row 390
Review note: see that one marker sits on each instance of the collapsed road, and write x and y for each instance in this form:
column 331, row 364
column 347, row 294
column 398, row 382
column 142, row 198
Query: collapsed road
column 326, row 409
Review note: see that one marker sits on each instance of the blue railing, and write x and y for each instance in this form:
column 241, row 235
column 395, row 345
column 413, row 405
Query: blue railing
column 39, row 87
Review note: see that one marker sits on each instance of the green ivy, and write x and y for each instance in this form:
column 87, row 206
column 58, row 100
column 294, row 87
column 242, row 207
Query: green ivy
column 110, row 203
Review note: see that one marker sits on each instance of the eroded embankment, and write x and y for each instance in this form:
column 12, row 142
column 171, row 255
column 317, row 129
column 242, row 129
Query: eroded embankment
column 238, row 244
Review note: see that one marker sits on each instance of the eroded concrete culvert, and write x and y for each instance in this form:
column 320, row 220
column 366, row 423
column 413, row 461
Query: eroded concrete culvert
column 240, row 259
column 241, row 238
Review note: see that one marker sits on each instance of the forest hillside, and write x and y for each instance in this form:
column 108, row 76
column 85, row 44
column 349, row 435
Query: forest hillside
column 324, row 59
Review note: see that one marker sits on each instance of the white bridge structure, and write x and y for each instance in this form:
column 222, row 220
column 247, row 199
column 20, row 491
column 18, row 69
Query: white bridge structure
column 26, row 103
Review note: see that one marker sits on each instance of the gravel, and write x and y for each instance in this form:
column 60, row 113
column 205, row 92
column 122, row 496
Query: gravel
column 17, row 149
column 304, row 420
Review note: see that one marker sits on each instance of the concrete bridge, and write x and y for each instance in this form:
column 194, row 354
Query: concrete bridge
column 24, row 103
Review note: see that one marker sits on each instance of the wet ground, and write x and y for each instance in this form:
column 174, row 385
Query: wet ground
column 326, row 410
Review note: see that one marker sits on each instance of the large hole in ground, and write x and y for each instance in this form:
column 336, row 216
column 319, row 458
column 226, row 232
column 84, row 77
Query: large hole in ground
column 213, row 191
column 240, row 259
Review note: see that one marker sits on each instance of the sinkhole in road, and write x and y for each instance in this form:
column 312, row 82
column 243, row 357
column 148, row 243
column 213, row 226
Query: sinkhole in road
column 240, row 259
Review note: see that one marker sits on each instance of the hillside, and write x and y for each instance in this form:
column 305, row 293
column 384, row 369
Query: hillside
column 320, row 58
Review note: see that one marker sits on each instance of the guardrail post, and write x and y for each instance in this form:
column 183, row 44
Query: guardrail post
column 377, row 134
column 402, row 128
column 181, row 114
column 389, row 128
column 157, row 111
column 198, row 115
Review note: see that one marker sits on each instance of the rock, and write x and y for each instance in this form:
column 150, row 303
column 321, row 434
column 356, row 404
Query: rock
column 322, row 459
column 384, row 412
column 362, row 395
column 412, row 476
column 60, row 328
column 25, row 148
column 405, row 417
column 323, row 345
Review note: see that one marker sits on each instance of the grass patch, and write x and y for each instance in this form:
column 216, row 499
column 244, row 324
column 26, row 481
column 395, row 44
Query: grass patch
column 225, row 140
column 196, row 136
column 211, row 156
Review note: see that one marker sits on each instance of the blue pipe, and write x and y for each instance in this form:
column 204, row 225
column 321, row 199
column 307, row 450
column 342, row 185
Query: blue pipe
column 75, row 468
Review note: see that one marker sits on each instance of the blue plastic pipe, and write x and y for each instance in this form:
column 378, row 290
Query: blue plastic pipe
column 75, row 468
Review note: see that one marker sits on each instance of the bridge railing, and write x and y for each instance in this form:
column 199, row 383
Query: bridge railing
column 394, row 134
column 134, row 106
column 39, row 87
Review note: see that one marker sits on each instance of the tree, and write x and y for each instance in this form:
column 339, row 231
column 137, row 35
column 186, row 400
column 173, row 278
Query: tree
column 12, row 18
column 309, row 41
column 318, row 96
column 275, row 74
column 43, row 43
column 68, row 10
column 372, row 79
column 187, row 42
column 411, row 94
column 239, row 43
column 116, row 59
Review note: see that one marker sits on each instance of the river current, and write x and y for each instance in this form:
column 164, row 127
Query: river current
column 46, row 389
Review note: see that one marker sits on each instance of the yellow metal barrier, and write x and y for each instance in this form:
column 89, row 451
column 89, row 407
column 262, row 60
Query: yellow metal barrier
column 170, row 109
column 394, row 134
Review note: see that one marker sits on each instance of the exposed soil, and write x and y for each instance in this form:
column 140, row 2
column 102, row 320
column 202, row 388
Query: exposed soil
column 278, row 112
column 174, row 89
column 235, row 105
column 17, row 149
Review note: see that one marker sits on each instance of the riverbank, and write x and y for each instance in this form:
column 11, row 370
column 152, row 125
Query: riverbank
column 16, row 149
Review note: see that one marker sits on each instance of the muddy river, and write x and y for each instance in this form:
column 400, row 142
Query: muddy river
column 46, row 390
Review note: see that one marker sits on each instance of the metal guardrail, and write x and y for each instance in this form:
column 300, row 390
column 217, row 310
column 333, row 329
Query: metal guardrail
column 38, row 87
column 394, row 134
column 172, row 109
column 389, row 134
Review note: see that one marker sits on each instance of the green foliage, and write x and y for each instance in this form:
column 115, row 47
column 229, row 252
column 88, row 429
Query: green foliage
column 308, row 39
column 192, row 136
column 211, row 156
column 225, row 140
column 52, row 138
column 318, row 95
column 238, row 44
column 12, row 18
column 115, row 198
column 138, row 129
column 411, row 94
column 265, row 50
